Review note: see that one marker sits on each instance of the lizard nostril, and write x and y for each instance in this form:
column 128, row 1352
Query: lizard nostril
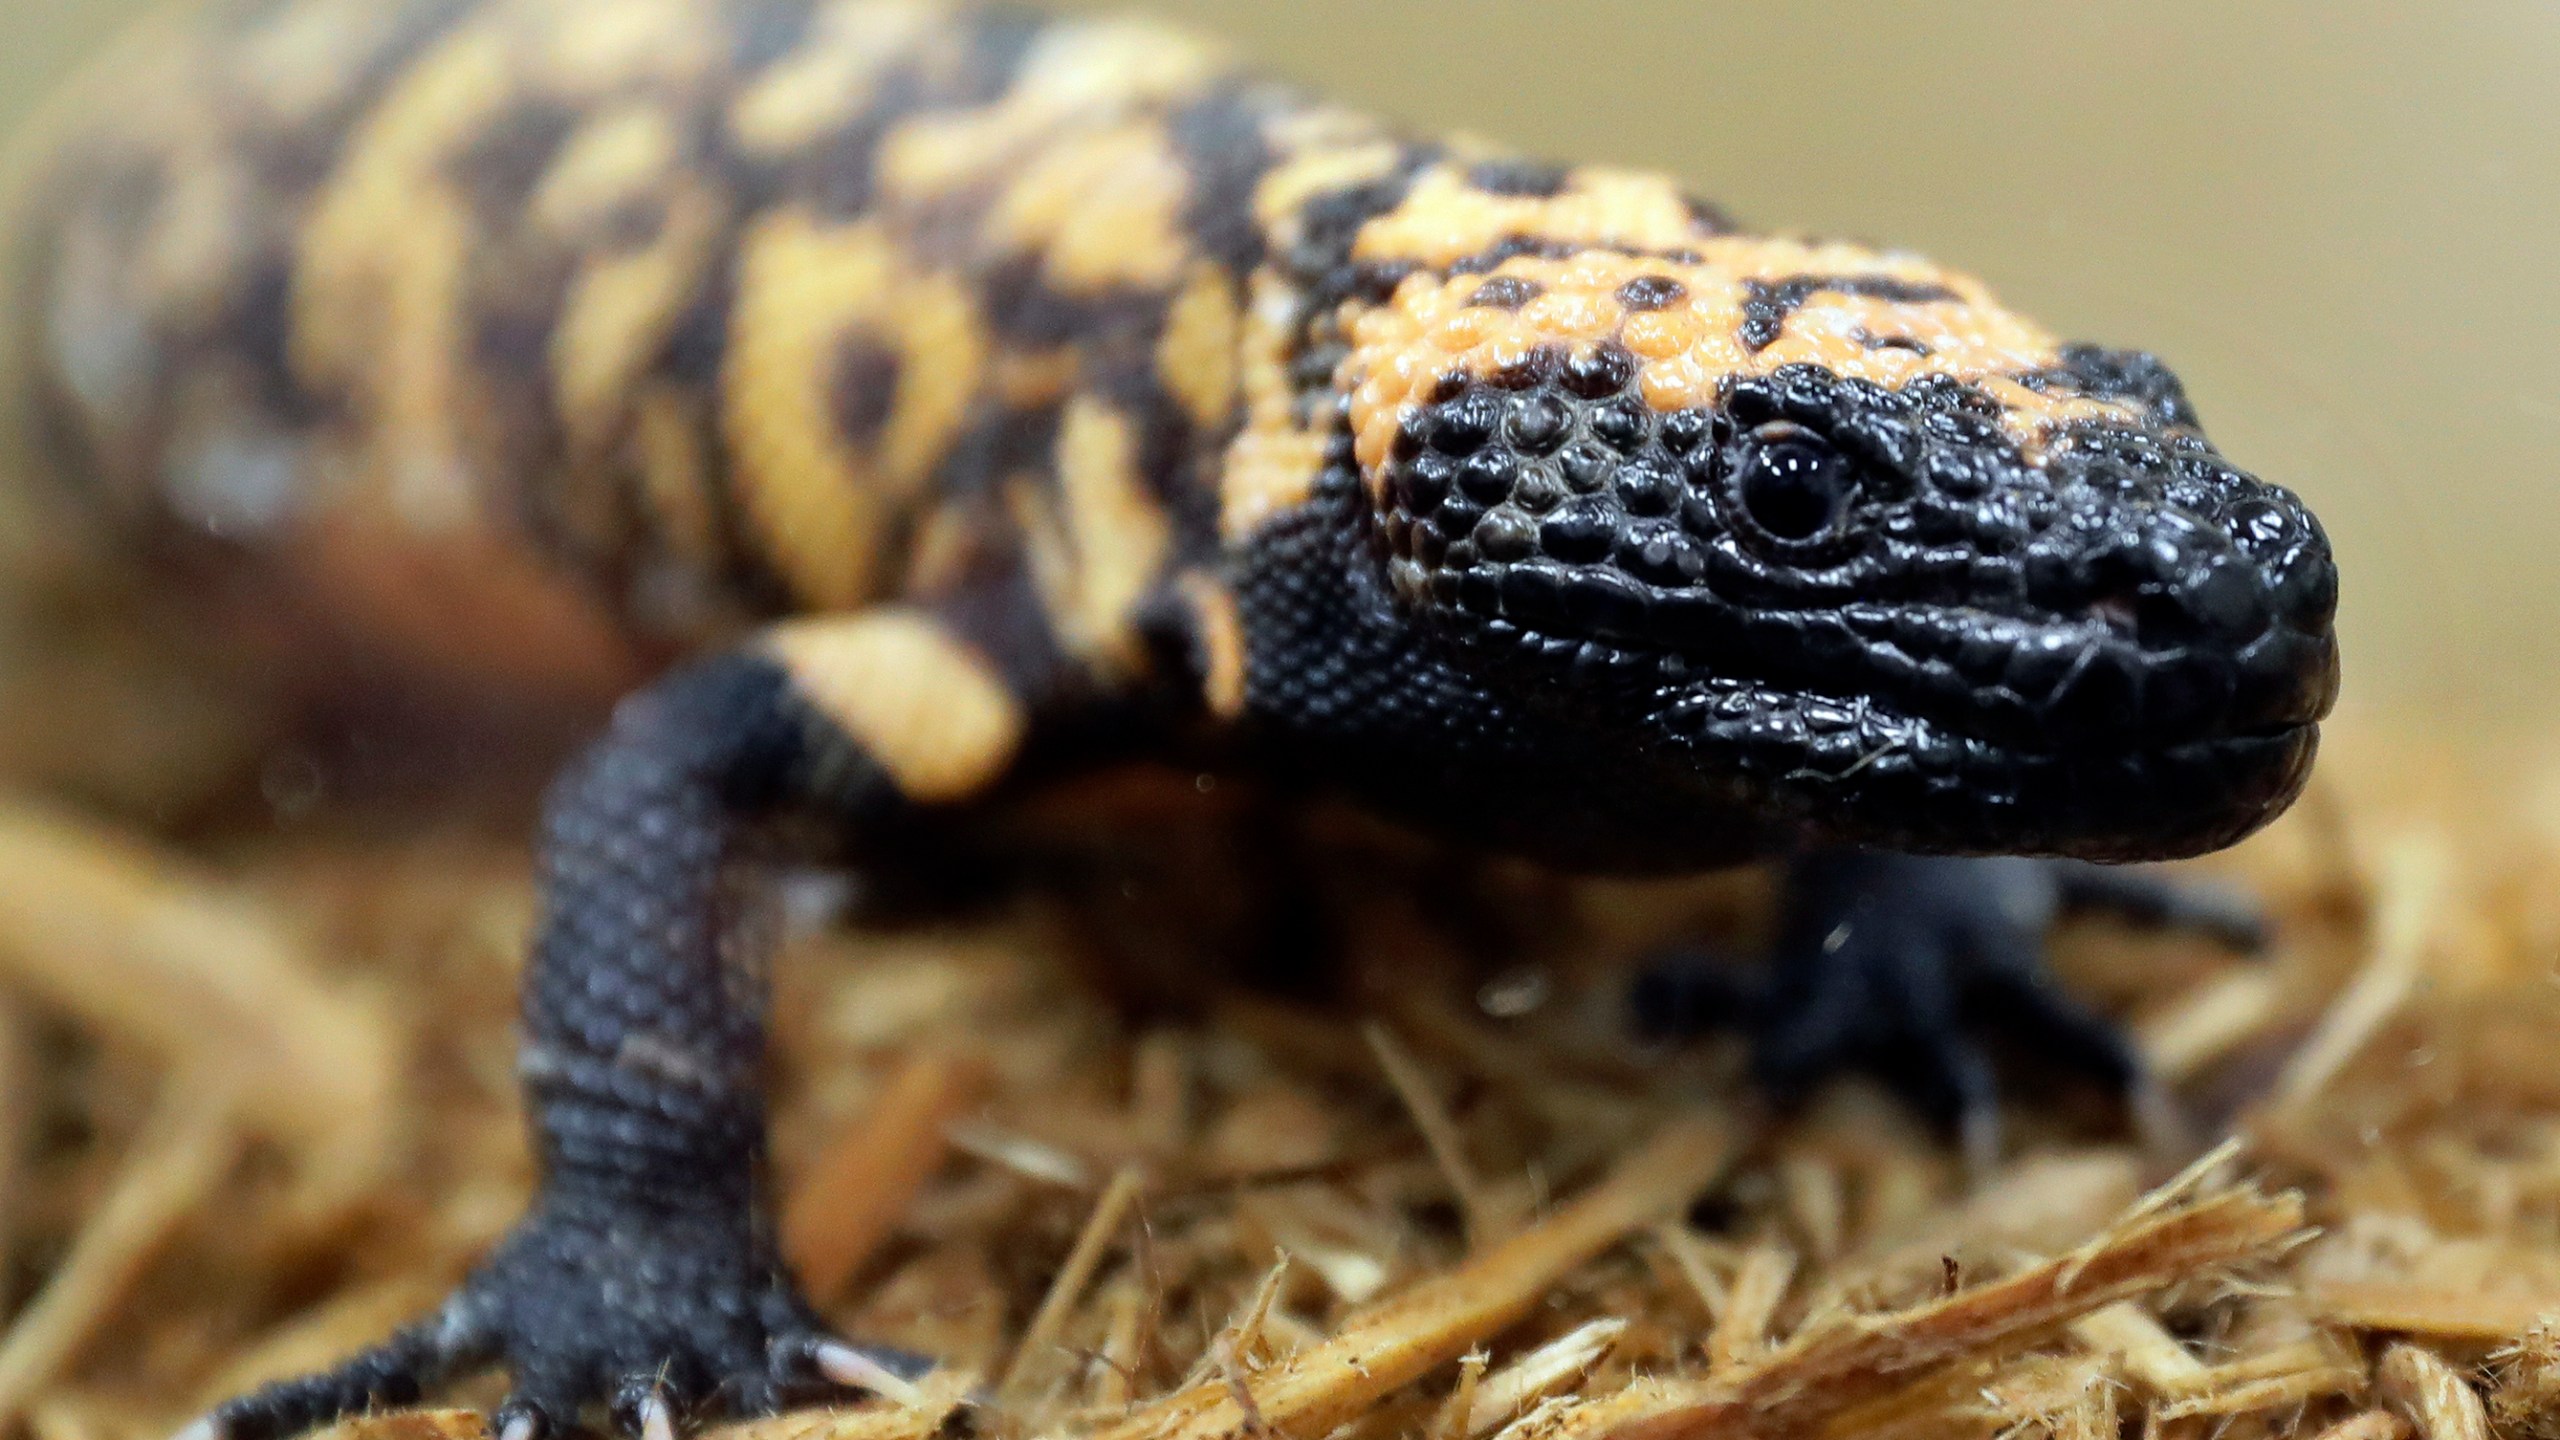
column 2120, row 613
column 2148, row 617
column 2221, row 603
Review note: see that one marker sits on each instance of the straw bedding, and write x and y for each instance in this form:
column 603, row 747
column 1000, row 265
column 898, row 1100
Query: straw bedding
column 256, row 1107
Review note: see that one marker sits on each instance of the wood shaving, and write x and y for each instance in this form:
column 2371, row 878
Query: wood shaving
column 262, row 1109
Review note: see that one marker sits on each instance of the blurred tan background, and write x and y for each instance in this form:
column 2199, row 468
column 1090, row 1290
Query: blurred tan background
column 2341, row 222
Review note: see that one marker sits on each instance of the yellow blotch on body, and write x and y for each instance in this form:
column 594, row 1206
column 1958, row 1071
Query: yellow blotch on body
column 823, row 504
column 377, row 303
column 1102, row 547
column 1080, row 76
column 1102, row 210
column 1196, row 356
column 831, row 78
column 675, row 475
column 301, row 61
column 933, row 714
column 617, row 315
column 581, row 50
column 943, row 346
column 1274, row 461
column 622, row 157
column 1327, row 151
column 1220, row 633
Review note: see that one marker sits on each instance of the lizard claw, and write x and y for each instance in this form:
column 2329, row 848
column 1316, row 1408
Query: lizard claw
column 666, row 1323
column 890, row 1374
column 641, row 1410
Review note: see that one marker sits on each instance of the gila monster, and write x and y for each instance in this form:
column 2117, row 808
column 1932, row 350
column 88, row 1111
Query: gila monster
column 911, row 407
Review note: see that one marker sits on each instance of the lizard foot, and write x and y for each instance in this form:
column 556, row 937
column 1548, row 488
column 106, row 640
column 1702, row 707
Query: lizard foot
column 664, row 1321
column 1903, row 965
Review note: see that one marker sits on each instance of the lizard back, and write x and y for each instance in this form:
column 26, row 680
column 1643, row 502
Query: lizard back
column 623, row 323
column 573, row 334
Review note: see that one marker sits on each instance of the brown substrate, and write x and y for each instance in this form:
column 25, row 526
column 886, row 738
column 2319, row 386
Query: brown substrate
column 257, row 1107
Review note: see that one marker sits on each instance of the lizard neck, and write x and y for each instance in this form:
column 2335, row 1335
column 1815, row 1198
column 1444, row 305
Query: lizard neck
column 1341, row 684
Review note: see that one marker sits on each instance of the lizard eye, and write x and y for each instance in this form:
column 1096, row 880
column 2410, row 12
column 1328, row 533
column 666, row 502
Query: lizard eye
column 1790, row 486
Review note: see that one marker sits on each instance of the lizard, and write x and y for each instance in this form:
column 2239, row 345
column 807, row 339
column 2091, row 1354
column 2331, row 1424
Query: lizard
column 910, row 407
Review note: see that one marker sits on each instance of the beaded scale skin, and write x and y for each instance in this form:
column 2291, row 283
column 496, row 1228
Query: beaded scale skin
column 912, row 406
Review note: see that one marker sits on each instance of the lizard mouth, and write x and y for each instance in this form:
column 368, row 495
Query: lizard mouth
column 1945, row 729
column 2107, row 680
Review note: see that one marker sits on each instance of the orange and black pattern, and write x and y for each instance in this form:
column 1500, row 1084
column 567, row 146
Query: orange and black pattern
column 939, row 401
column 699, row 312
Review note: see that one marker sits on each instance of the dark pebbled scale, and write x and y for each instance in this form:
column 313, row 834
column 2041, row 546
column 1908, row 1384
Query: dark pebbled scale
column 1506, row 292
column 1600, row 372
column 1652, row 292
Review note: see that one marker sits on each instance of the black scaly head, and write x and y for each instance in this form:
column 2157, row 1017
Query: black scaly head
column 1873, row 612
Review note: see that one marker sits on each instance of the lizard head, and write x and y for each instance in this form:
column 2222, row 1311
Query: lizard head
column 1830, row 533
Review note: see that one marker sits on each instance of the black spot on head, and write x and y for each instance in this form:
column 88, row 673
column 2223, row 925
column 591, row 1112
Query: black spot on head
column 1329, row 225
column 1892, row 342
column 1506, row 292
column 1541, row 424
column 1582, row 531
column 1512, row 247
column 1541, row 247
column 1490, row 477
column 1766, row 304
column 1601, row 372
column 1652, row 292
column 1462, row 424
column 2130, row 377
column 1624, row 424
column 1530, row 179
column 1942, row 396
column 1684, row 430
column 1534, row 368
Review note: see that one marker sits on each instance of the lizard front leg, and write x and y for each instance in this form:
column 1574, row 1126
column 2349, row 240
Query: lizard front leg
column 645, row 1278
